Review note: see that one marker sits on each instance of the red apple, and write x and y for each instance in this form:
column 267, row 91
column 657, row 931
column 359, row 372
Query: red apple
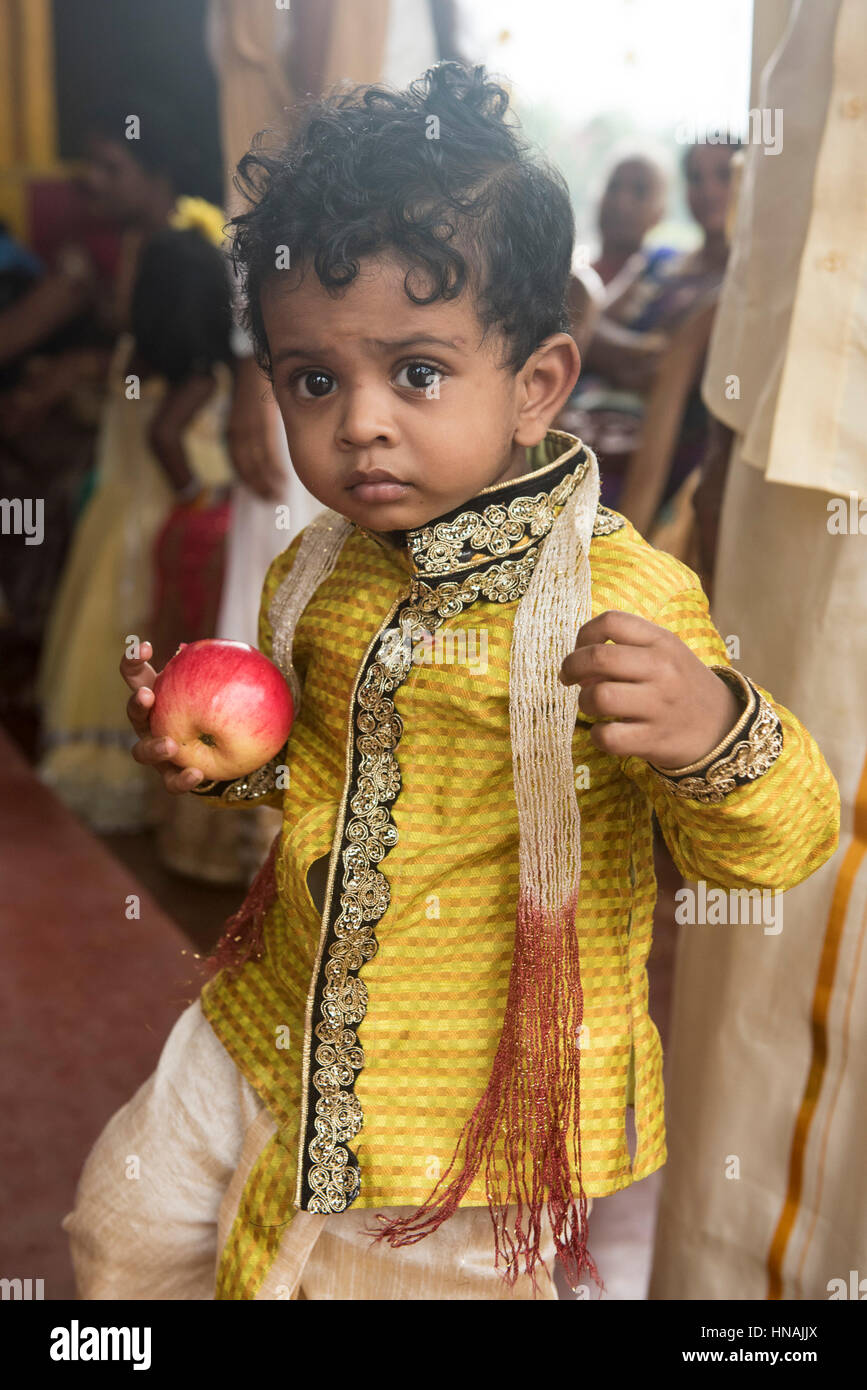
column 227, row 707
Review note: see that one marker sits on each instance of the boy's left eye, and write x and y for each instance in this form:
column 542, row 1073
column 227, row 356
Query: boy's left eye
column 315, row 383
column 421, row 375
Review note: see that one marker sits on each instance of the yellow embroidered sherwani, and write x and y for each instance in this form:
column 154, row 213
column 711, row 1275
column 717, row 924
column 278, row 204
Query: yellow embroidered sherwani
column 369, row 1034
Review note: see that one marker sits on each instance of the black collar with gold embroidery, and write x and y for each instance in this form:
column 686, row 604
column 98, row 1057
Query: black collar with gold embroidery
column 502, row 521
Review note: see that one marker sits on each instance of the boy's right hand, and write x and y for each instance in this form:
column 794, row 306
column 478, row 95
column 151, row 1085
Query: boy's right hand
column 140, row 677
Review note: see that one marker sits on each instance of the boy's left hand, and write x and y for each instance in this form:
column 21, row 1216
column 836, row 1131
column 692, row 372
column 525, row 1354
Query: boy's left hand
column 665, row 704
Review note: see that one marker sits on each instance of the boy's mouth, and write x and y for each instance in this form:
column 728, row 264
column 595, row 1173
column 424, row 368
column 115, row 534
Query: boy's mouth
column 376, row 485
column 380, row 492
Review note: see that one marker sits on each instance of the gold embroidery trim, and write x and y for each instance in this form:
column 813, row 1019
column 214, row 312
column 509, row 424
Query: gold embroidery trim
column 747, row 751
column 495, row 532
column 607, row 522
column 499, row 529
column 311, row 996
column 252, row 787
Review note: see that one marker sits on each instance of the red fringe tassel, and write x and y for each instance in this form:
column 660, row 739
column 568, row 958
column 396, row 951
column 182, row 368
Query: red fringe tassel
column 531, row 1103
column 243, row 935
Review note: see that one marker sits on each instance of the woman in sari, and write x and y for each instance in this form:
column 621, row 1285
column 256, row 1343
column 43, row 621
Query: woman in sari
column 162, row 471
column 646, row 307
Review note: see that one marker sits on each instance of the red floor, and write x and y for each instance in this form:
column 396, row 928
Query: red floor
column 87, row 996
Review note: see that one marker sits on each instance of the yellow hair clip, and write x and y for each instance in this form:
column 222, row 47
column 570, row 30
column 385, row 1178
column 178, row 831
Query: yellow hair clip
column 201, row 215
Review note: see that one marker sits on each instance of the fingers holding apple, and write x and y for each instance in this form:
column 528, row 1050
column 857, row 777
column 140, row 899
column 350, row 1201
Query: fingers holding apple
column 139, row 676
column 155, row 752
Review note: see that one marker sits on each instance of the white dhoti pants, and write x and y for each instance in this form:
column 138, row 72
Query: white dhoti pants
column 160, row 1187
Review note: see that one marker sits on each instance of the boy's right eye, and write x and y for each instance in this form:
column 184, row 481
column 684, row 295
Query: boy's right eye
column 312, row 384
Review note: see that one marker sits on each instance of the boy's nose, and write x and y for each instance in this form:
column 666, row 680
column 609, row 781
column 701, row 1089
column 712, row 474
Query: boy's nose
column 365, row 421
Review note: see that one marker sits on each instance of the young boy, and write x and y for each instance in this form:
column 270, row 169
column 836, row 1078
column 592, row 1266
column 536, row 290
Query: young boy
column 437, row 1011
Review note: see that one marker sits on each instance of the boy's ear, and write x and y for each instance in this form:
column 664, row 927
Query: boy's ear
column 544, row 385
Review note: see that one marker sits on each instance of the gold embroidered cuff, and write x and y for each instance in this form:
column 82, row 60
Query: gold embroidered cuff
column 251, row 789
column 746, row 752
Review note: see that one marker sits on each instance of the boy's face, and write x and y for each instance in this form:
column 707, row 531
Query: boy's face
column 366, row 380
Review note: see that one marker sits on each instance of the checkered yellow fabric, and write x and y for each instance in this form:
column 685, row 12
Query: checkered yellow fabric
column 438, row 983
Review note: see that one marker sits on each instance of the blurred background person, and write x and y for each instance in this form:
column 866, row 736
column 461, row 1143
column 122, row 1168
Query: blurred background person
column 663, row 472
column 645, row 305
column 181, row 329
column 55, row 343
column 162, row 437
column 632, row 204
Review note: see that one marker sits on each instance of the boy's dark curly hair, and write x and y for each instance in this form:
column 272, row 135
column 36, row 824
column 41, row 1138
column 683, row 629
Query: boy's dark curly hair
column 433, row 174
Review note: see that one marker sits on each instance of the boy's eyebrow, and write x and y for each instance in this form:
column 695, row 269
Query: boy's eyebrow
column 384, row 344
column 393, row 344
